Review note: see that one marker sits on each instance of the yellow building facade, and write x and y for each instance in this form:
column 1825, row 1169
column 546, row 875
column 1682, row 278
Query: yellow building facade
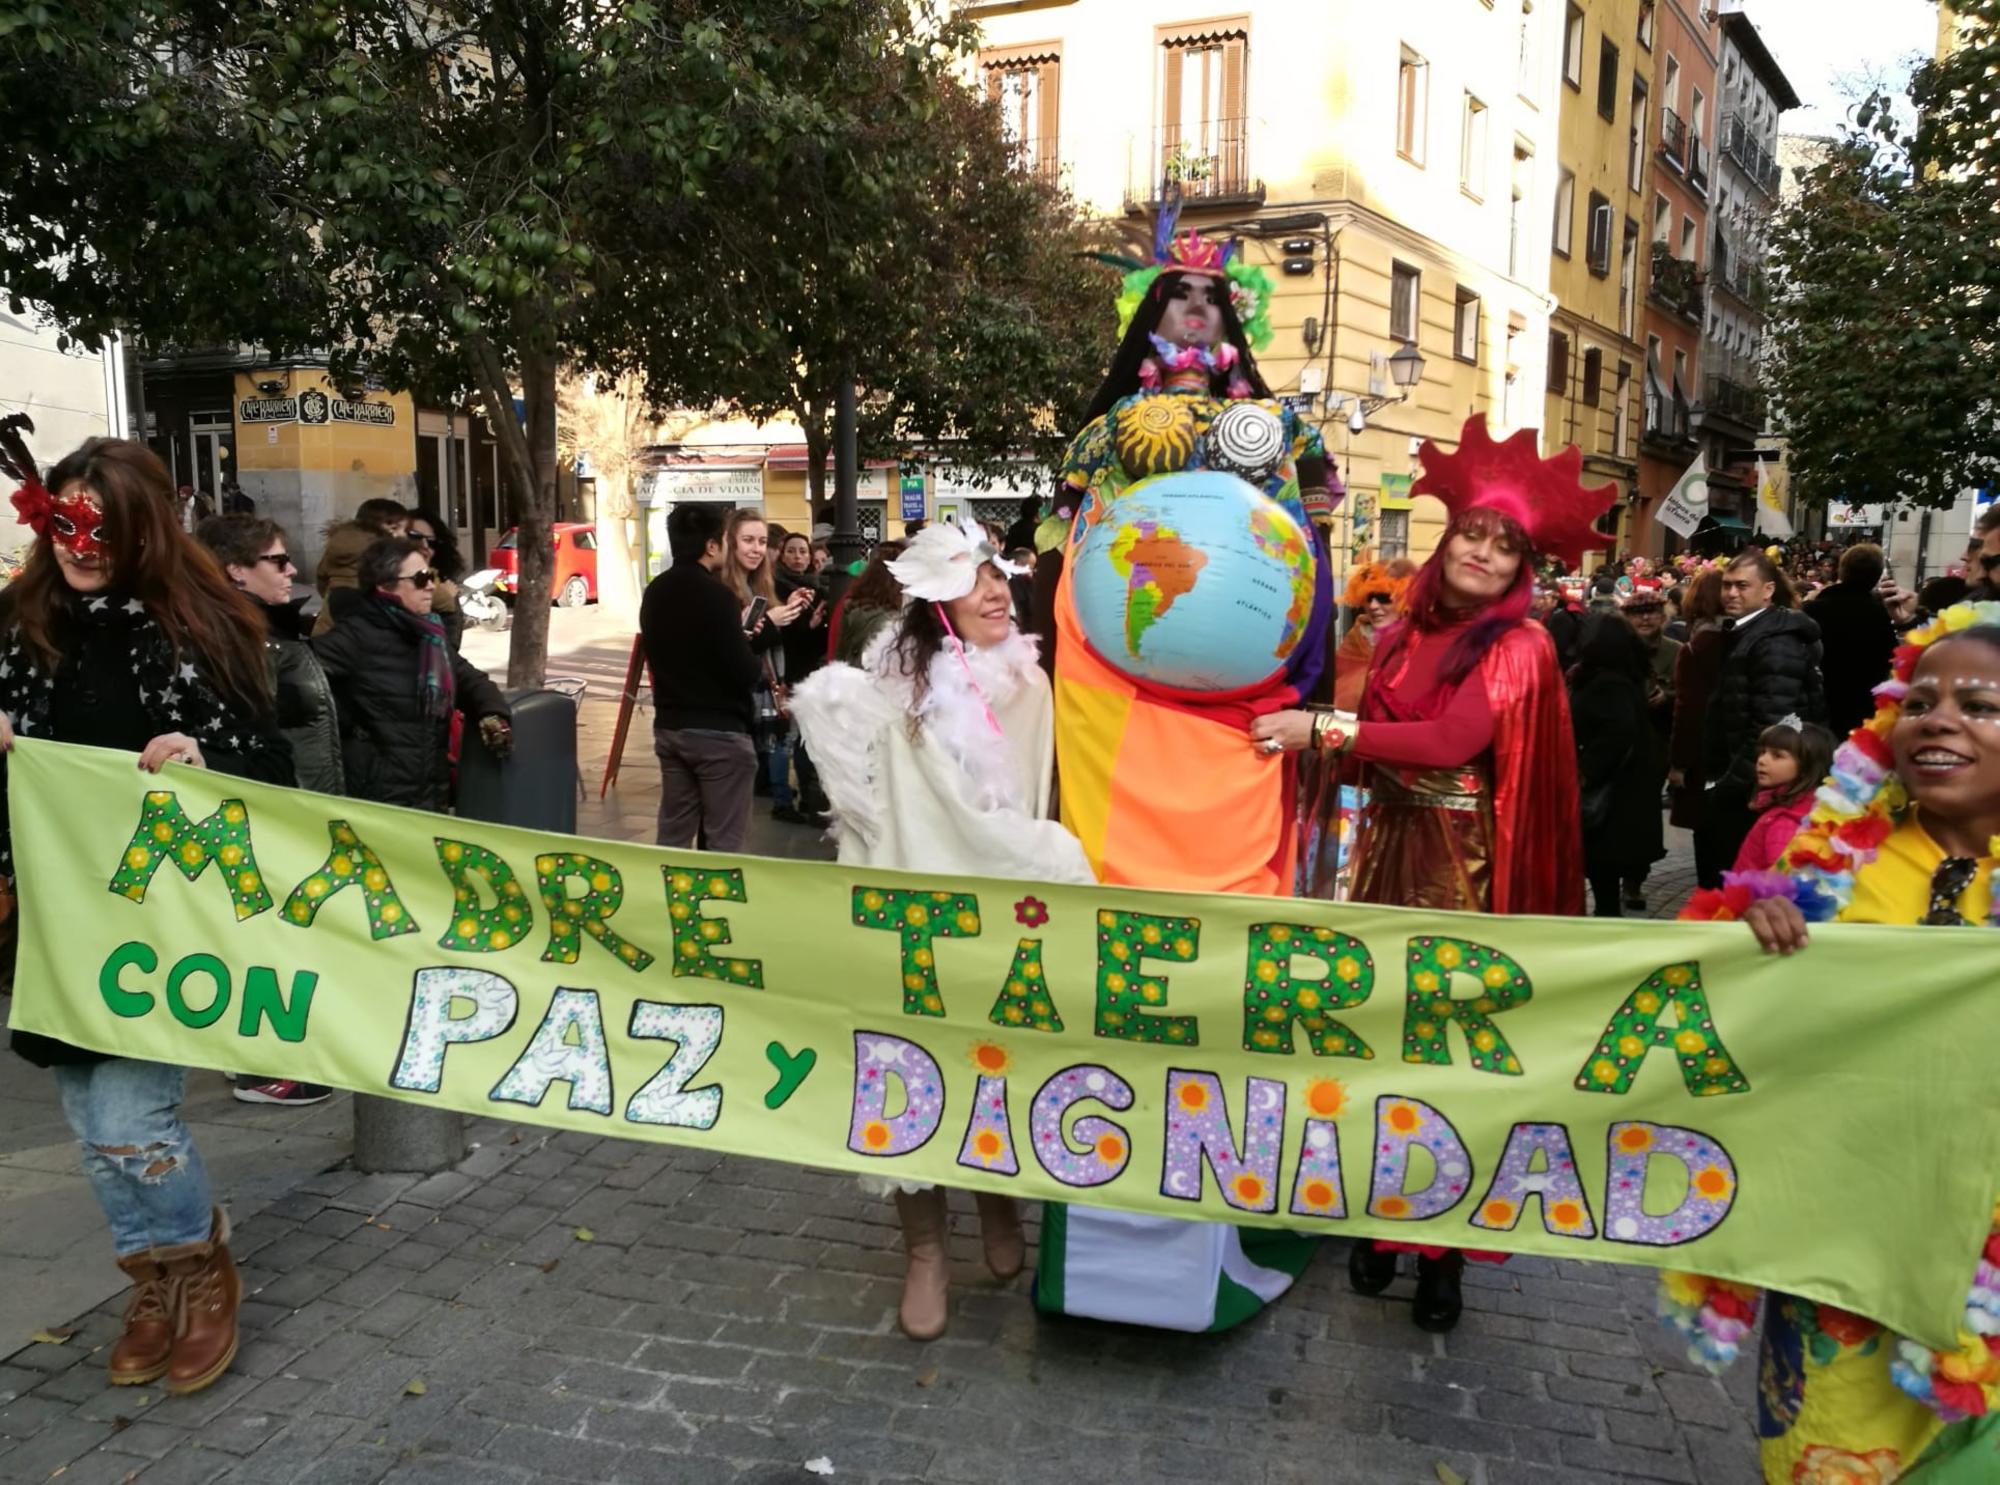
column 1392, row 167
column 1595, row 358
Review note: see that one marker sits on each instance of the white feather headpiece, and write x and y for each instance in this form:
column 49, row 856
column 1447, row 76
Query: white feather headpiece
column 942, row 562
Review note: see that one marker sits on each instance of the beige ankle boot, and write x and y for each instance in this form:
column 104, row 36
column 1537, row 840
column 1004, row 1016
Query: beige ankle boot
column 1000, row 1233
column 926, row 1293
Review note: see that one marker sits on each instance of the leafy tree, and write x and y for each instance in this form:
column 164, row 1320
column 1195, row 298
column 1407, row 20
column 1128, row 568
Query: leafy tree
column 907, row 248
column 439, row 192
column 1886, row 333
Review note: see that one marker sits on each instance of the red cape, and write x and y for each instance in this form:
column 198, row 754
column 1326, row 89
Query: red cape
column 1537, row 822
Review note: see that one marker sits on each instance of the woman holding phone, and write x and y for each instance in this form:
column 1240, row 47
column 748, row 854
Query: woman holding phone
column 750, row 572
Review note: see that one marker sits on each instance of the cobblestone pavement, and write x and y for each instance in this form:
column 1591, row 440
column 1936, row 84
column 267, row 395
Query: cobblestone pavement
column 563, row 1307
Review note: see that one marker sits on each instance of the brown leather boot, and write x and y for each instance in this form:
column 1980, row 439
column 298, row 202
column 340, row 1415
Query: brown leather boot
column 926, row 1295
column 1000, row 1233
column 207, row 1292
column 140, row 1355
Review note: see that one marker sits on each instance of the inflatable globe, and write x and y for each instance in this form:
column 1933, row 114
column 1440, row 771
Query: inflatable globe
column 1193, row 581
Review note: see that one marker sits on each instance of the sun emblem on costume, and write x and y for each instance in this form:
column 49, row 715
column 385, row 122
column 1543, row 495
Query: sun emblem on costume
column 1155, row 436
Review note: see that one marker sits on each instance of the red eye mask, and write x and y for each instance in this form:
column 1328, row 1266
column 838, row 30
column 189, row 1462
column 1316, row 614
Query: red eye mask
column 76, row 525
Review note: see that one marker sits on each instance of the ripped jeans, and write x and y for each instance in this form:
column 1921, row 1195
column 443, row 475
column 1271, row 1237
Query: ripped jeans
column 140, row 1158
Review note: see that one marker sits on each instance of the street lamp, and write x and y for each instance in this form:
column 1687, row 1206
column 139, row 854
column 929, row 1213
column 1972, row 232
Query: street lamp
column 1406, row 369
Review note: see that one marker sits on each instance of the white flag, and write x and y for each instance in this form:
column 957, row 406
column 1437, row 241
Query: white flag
column 1771, row 517
column 1684, row 506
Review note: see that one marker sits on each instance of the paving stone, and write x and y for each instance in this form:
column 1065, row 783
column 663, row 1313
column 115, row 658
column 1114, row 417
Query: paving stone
column 1698, row 1400
column 1637, row 1464
column 60, row 1443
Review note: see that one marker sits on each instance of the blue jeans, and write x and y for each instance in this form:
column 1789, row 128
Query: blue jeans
column 140, row 1158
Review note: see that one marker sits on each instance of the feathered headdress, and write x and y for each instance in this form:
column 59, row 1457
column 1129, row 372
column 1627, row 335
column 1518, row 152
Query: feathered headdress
column 1190, row 252
column 31, row 498
column 1391, row 577
column 942, row 562
column 1542, row 496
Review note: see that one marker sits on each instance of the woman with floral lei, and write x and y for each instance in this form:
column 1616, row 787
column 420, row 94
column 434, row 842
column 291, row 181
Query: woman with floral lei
column 1906, row 830
column 122, row 632
column 1465, row 733
column 936, row 755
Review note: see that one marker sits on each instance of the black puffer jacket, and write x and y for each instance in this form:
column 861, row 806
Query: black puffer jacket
column 392, row 751
column 306, row 712
column 1770, row 670
column 1859, row 643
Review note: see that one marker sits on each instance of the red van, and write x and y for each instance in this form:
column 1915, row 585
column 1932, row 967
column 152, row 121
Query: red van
column 575, row 581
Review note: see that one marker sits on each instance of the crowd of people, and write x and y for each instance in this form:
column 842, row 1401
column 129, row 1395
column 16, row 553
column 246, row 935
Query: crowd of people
column 1514, row 739
column 124, row 631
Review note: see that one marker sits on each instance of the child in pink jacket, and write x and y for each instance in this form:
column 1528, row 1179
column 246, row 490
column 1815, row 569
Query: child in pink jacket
column 1792, row 758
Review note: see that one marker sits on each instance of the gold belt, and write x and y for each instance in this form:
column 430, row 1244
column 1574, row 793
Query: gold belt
column 1435, row 789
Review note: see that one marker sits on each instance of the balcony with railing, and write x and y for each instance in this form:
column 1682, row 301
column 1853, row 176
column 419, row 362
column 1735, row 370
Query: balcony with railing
column 1676, row 284
column 1732, row 402
column 1673, row 138
column 1211, row 164
column 1742, row 280
column 1667, row 425
column 1036, row 157
column 1697, row 163
column 1740, row 144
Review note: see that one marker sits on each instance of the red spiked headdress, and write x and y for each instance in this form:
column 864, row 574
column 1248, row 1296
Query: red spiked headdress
column 1542, row 496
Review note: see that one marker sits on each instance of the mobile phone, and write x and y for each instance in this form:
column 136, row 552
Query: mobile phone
column 756, row 615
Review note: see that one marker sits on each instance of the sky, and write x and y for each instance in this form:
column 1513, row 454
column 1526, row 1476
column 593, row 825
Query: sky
column 1832, row 50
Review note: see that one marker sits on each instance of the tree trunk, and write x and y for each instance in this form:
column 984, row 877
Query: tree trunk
column 528, row 467
column 619, row 581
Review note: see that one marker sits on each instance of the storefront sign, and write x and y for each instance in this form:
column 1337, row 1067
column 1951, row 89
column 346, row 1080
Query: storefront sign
column 1633, row 1092
column 316, row 408
column 267, row 410
column 737, row 485
column 913, row 495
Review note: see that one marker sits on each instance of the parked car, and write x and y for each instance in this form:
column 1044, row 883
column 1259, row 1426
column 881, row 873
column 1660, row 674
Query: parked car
column 575, row 581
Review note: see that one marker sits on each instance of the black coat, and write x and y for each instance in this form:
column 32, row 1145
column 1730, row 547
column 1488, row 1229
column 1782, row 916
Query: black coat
column 1770, row 670
column 393, row 752
column 1618, row 764
column 306, row 713
column 1858, row 641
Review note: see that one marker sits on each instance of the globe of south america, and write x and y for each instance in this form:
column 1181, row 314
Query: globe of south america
column 1193, row 581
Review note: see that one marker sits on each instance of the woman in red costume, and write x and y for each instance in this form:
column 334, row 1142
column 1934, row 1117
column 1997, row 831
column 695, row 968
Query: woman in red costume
column 1464, row 732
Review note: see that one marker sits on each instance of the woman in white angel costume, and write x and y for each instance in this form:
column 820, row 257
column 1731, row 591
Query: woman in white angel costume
column 938, row 754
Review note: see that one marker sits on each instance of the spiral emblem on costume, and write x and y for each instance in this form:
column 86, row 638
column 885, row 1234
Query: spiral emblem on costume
column 1245, row 439
column 1155, row 436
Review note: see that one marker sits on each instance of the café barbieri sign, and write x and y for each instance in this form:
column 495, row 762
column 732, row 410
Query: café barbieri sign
column 1638, row 1092
column 313, row 408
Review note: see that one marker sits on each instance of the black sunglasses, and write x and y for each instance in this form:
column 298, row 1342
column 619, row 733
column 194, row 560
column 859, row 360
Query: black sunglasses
column 1948, row 884
column 419, row 579
column 1989, row 560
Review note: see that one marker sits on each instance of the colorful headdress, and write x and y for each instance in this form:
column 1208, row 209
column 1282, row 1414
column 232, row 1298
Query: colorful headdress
column 1541, row 496
column 942, row 562
column 1392, row 577
column 1190, row 252
column 31, row 499
column 1856, row 809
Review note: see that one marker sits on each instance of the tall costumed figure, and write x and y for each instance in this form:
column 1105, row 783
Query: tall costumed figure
column 1464, row 738
column 1193, row 597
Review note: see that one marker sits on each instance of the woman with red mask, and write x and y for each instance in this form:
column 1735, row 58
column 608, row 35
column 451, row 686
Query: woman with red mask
column 122, row 632
column 1464, row 732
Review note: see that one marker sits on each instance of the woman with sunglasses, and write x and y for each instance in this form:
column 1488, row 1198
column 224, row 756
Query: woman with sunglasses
column 1905, row 830
column 255, row 558
column 429, row 531
column 397, row 683
column 1375, row 593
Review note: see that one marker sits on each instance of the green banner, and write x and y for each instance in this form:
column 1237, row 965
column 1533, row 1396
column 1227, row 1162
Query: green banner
column 1627, row 1091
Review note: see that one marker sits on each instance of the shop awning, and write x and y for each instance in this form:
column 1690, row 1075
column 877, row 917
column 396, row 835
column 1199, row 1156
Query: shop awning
column 1729, row 520
column 791, row 458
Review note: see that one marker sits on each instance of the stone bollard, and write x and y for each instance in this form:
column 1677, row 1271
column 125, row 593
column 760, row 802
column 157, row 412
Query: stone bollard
column 390, row 1135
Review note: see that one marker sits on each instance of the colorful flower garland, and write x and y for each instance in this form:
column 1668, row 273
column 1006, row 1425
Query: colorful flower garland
column 1856, row 809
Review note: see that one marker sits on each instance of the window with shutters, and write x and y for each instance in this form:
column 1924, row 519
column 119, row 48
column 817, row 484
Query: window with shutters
column 1204, row 139
column 1405, row 293
column 1472, row 149
column 1635, row 167
column 1607, row 79
column 1597, row 247
column 1565, row 210
column 1025, row 82
column 1621, row 418
column 1412, row 104
column 1646, row 19
column 1573, row 48
column 1465, row 327
column 1558, row 361
column 1593, row 376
